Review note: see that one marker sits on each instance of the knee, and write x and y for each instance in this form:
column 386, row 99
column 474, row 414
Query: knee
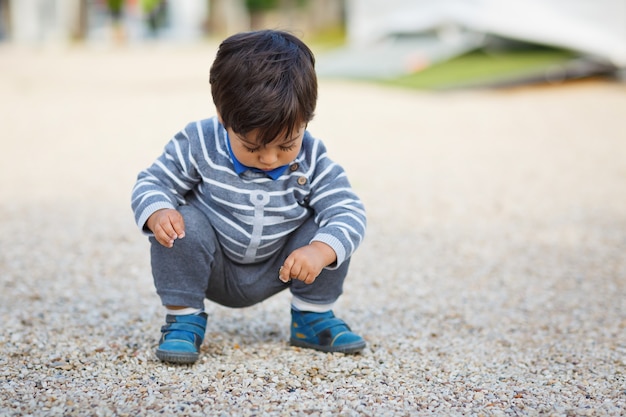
column 195, row 220
column 198, row 228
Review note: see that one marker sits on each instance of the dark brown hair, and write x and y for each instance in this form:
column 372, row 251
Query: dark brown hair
column 264, row 80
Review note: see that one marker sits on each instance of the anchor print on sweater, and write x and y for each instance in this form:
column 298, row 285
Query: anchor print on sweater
column 259, row 199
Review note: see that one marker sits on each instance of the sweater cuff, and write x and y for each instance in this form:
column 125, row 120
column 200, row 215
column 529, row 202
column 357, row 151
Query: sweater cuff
column 335, row 244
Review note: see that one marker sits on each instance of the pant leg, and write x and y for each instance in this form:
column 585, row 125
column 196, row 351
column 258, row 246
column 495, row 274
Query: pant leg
column 182, row 273
column 245, row 285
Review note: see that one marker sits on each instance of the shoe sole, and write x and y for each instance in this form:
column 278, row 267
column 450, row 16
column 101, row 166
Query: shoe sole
column 177, row 357
column 355, row 347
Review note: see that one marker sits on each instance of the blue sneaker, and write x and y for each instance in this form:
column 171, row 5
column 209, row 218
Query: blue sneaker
column 181, row 338
column 323, row 331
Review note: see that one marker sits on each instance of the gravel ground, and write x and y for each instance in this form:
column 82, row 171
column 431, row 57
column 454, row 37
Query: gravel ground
column 492, row 280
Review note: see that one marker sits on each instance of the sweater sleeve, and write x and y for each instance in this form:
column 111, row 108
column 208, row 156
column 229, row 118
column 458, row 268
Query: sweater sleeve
column 338, row 210
column 165, row 183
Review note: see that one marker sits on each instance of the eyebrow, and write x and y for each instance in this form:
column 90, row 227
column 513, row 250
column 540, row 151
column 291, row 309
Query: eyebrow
column 286, row 141
column 256, row 145
column 244, row 140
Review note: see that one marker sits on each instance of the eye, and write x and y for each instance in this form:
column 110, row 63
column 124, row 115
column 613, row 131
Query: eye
column 251, row 150
column 287, row 148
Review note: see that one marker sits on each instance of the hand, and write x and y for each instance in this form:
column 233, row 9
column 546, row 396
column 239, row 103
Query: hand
column 307, row 262
column 167, row 226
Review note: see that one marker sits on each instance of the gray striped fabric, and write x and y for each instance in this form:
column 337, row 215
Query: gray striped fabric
column 252, row 213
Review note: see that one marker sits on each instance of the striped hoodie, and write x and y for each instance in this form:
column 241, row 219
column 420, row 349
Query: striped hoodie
column 252, row 214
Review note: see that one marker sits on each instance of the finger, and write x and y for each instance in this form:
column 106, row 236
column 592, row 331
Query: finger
column 178, row 225
column 308, row 278
column 168, row 229
column 162, row 237
column 296, row 273
column 283, row 278
column 165, row 241
column 285, row 270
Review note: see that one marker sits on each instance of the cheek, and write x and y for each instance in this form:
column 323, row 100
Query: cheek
column 291, row 155
column 242, row 154
column 296, row 150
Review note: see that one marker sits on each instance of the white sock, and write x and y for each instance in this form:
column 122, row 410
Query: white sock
column 183, row 311
column 301, row 305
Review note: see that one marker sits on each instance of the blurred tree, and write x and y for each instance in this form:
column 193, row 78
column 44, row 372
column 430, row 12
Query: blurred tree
column 80, row 24
column 257, row 9
column 227, row 17
column 255, row 6
column 156, row 14
column 5, row 28
column 303, row 16
column 116, row 12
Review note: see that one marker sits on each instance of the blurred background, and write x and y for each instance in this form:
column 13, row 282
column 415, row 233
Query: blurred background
column 487, row 139
column 417, row 43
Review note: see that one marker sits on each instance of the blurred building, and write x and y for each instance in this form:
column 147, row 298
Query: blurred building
column 45, row 21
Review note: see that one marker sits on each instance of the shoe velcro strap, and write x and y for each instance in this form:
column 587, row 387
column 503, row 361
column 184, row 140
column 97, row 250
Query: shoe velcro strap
column 184, row 327
column 328, row 324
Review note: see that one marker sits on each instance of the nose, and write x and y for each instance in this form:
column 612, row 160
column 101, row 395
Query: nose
column 268, row 157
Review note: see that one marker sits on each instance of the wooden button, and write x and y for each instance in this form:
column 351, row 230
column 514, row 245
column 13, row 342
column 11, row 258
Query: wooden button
column 293, row 167
column 301, row 180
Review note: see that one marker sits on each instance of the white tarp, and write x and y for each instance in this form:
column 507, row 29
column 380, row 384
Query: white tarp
column 594, row 27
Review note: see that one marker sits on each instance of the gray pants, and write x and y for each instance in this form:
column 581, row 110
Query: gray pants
column 196, row 268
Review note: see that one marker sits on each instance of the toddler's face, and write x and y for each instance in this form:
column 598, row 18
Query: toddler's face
column 279, row 152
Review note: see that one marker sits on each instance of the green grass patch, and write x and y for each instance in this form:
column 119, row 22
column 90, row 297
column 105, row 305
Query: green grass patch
column 482, row 68
column 327, row 38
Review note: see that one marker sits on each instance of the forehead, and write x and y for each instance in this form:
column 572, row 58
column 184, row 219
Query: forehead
column 252, row 137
